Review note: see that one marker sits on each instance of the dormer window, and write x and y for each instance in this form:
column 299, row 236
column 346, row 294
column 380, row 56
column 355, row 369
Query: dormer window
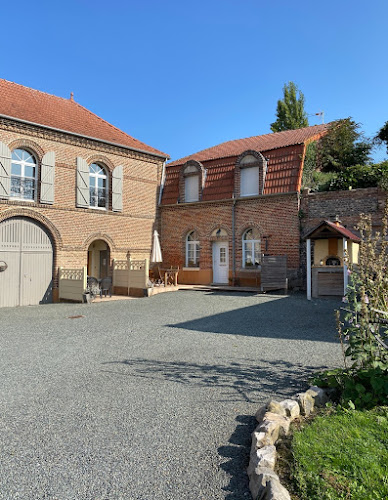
column 192, row 177
column 249, row 183
column 250, row 173
column 191, row 184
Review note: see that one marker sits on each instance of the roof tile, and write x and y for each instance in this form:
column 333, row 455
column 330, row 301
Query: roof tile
column 48, row 110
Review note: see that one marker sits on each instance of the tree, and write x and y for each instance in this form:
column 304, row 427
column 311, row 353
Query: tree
column 382, row 136
column 342, row 147
column 290, row 111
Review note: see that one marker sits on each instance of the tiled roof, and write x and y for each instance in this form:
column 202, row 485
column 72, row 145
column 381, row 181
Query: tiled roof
column 336, row 227
column 48, row 110
column 283, row 151
column 257, row 143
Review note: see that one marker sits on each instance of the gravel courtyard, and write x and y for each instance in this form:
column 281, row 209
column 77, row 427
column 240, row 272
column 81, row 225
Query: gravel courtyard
column 149, row 398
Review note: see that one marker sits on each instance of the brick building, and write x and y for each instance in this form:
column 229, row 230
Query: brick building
column 226, row 206
column 74, row 191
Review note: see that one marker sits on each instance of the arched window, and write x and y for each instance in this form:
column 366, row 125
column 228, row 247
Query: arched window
column 251, row 248
column 192, row 249
column 23, row 175
column 98, row 186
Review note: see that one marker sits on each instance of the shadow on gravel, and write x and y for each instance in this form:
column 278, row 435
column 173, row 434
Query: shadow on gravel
column 249, row 380
column 287, row 317
column 237, row 453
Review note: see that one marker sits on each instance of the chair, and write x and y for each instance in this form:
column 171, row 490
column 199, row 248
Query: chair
column 93, row 287
column 106, row 286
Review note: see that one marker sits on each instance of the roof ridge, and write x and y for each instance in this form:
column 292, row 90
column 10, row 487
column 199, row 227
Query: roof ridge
column 231, row 141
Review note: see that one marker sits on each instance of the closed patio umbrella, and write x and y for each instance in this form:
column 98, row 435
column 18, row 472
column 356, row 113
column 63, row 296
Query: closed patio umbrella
column 156, row 255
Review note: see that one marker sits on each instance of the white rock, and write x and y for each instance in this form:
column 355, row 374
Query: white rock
column 263, row 457
column 306, row 403
column 275, row 426
column 260, row 439
column 291, row 407
column 274, row 491
column 258, row 481
column 276, row 407
column 260, row 413
column 319, row 395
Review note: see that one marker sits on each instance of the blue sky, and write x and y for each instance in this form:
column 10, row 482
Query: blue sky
column 183, row 76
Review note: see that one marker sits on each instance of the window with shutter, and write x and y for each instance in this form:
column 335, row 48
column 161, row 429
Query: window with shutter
column 5, row 170
column 23, row 175
column 82, row 183
column 117, row 189
column 47, row 178
column 98, row 187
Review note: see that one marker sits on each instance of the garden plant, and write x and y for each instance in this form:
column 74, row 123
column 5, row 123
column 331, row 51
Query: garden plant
column 343, row 453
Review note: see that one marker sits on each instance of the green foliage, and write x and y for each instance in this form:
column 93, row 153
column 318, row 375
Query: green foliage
column 361, row 176
column 309, row 165
column 382, row 136
column 343, row 455
column 290, row 111
column 365, row 388
column 363, row 324
column 342, row 147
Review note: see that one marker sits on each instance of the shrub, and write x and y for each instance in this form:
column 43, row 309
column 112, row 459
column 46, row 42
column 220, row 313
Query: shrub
column 363, row 324
column 361, row 176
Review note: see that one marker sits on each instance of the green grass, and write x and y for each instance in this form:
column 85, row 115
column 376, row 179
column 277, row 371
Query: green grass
column 343, row 455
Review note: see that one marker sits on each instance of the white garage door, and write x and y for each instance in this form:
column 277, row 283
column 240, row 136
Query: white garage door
column 26, row 263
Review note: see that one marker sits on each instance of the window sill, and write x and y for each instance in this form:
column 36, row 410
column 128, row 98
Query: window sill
column 249, row 195
column 26, row 200
column 99, row 208
column 190, row 268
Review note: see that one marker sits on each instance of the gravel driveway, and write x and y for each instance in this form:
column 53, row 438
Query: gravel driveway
column 149, row 398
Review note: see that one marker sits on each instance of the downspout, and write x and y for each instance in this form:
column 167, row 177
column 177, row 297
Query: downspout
column 162, row 181
column 233, row 241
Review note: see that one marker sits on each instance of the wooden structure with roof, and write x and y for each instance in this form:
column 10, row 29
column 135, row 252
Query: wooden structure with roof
column 333, row 247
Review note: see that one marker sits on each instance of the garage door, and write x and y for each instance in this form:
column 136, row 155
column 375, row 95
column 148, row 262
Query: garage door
column 26, row 263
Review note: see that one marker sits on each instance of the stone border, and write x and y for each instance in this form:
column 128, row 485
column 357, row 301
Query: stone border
column 274, row 423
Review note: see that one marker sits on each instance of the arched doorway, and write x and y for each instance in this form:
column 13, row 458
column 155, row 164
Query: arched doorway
column 26, row 263
column 98, row 259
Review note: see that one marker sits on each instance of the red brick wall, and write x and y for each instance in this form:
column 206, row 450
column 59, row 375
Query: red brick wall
column 74, row 228
column 347, row 205
column 276, row 217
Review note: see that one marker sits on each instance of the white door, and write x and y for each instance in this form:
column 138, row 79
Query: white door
column 26, row 257
column 220, row 262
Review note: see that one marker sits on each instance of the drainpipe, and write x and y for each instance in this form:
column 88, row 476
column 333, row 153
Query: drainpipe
column 162, row 181
column 233, row 241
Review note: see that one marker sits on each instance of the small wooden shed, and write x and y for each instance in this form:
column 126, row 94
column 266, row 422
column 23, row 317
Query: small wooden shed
column 327, row 272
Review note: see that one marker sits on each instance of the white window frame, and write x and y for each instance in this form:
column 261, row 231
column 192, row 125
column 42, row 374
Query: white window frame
column 245, row 170
column 23, row 164
column 250, row 245
column 192, row 246
column 96, row 176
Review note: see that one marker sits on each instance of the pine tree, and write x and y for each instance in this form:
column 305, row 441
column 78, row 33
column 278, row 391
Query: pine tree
column 290, row 111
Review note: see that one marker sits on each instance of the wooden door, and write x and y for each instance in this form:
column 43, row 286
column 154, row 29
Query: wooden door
column 27, row 250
